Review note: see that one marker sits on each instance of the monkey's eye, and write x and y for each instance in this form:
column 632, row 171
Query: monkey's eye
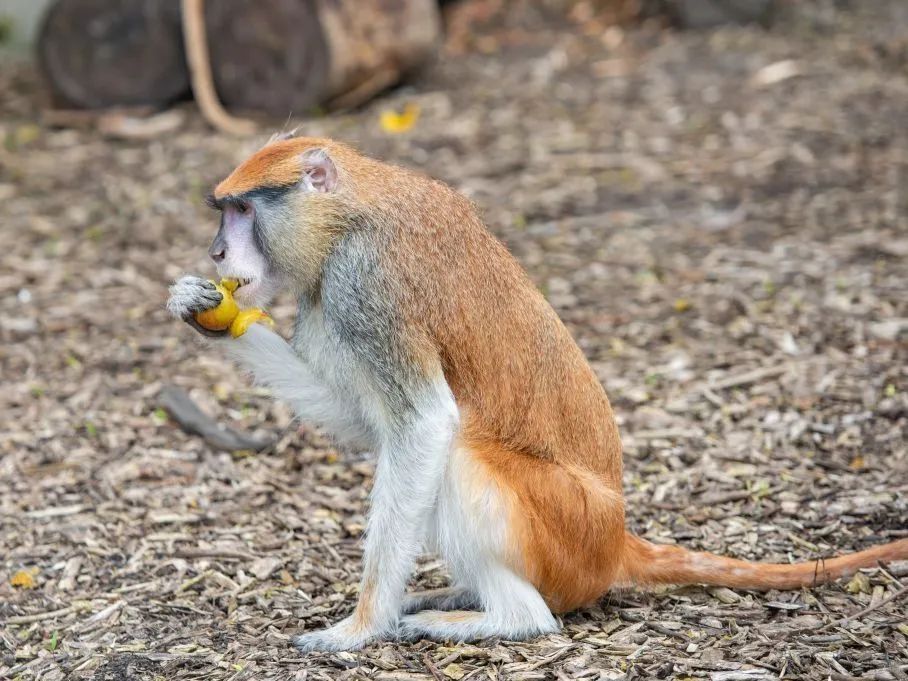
column 242, row 207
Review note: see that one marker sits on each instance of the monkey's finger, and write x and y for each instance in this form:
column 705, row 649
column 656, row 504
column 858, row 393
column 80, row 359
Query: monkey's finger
column 205, row 301
column 192, row 280
column 202, row 330
column 202, row 289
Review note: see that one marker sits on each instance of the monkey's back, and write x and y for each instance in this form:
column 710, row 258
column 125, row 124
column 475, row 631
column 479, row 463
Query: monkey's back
column 518, row 377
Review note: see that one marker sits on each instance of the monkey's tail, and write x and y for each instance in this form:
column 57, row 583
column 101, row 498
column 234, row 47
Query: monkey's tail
column 644, row 564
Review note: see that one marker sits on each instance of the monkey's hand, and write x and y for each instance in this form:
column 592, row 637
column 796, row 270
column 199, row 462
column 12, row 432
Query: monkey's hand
column 191, row 295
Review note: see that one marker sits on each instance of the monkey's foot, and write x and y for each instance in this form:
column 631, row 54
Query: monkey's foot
column 448, row 598
column 464, row 626
column 345, row 635
column 245, row 318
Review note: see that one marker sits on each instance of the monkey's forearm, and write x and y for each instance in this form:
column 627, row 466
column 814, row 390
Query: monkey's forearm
column 274, row 364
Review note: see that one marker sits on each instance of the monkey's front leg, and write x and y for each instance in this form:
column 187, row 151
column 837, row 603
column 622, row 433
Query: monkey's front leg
column 411, row 465
column 273, row 363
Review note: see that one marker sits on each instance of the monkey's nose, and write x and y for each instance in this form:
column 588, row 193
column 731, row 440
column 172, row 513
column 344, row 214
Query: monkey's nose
column 217, row 252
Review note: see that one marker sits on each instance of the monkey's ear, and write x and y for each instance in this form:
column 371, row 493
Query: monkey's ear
column 319, row 171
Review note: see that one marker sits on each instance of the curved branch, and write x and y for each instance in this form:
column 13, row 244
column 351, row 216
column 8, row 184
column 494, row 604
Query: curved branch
column 197, row 55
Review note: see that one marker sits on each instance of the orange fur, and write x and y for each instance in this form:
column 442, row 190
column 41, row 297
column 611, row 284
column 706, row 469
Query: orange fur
column 362, row 615
column 567, row 526
column 279, row 164
column 534, row 416
column 273, row 169
column 646, row 563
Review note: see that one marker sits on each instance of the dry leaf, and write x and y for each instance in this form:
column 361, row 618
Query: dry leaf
column 725, row 595
column 26, row 134
column 860, row 583
column 263, row 567
column 393, row 122
column 778, row 72
column 24, row 579
column 242, row 454
column 454, row 671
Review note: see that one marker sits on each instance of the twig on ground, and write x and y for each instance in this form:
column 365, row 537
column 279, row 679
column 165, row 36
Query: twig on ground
column 750, row 377
column 41, row 616
column 869, row 609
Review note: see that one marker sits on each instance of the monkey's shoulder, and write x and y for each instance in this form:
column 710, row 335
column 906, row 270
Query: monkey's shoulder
column 358, row 293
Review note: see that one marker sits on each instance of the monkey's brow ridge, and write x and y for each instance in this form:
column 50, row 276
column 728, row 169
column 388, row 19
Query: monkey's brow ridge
column 268, row 193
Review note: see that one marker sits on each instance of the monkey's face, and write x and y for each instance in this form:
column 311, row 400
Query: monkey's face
column 276, row 228
column 238, row 251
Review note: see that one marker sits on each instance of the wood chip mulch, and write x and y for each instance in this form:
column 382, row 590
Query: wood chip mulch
column 722, row 220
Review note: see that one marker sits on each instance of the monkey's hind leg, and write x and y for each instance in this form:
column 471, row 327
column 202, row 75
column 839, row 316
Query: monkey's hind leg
column 471, row 533
column 448, row 598
column 512, row 609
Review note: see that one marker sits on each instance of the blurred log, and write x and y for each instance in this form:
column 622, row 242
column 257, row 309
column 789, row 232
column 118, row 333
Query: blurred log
column 105, row 53
column 705, row 14
column 278, row 56
column 287, row 56
column 268, row 55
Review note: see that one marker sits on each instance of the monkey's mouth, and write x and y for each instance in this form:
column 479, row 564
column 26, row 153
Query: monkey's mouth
column 248, row 286
column 246, row 291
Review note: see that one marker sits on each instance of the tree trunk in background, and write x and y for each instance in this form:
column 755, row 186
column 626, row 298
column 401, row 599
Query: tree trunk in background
column 287, row 56
column 377, row 42
column 711, row 13
column 282, row 57
column 102, row 53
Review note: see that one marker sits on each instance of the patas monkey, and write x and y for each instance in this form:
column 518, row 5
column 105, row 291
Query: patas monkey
column 419, row 337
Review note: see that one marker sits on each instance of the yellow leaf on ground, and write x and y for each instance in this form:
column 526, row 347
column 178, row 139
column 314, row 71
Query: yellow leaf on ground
column 26, row 134
column 682, row 305
column 454, row 671
column 393, row 122
column 24, row 579
column 860, row 583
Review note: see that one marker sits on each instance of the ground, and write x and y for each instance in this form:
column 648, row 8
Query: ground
column 728, row 247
